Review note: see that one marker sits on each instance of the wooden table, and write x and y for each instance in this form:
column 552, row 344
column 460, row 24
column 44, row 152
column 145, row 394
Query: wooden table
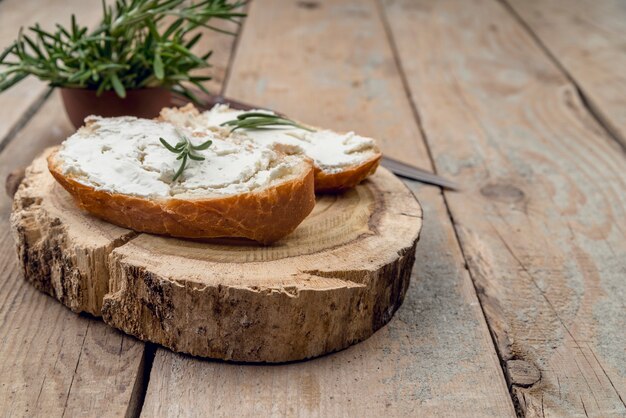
column 517, row 304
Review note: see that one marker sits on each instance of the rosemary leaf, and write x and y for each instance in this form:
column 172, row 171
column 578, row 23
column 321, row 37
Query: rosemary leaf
column 185, row 149
column 158, row 67
column 260, row 120
column 117, row 85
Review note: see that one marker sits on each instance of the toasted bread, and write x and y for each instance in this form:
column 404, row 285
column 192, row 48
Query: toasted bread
column 341, row 160
column 117, row 170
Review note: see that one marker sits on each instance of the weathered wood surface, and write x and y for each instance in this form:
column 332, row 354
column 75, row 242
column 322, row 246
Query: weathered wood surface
column 19, row 102
column 540, row 224
column 543, row 220
column 331, row 283
column 334, row 68
column 586, row 37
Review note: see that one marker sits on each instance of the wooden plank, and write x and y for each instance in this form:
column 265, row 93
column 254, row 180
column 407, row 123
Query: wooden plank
column 21, row 98
column 54, row 361
column 436, row 356
column 587, row 38
column 542, row 222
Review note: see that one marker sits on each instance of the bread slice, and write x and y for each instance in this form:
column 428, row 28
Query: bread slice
column 341, row 160
column 117, row 169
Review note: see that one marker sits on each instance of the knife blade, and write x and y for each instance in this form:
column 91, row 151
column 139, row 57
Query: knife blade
column 399, row 168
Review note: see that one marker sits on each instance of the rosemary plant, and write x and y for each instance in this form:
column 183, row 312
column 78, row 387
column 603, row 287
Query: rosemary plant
column 140, row 43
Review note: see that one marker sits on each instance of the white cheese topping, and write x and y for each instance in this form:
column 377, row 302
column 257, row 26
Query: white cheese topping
column 329, row 150
column 124, row 155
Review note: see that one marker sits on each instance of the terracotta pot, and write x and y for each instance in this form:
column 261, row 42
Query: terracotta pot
column 143, row 103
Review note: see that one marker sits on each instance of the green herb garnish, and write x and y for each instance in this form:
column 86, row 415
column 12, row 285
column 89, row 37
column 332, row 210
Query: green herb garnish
column 185, row 149
column 140, row 43
column 260, row 120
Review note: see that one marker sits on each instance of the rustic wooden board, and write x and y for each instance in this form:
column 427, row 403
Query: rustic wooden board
column 24, row 98
column 332, row 66
column 61, row 251
column 586, row 37
column 543, row 220
column 334, row 281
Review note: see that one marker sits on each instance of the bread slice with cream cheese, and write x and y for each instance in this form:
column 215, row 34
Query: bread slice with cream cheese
column 341, row 160
column 118, row 170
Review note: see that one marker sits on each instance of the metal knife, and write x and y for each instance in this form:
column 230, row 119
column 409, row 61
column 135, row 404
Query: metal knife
column 399, row 168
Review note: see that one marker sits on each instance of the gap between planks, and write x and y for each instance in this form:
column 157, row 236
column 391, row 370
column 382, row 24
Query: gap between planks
column 418, row 119
column 141, row 383
column 601, row 120
column 458, row 227
column 611, row 132
column 24, row 119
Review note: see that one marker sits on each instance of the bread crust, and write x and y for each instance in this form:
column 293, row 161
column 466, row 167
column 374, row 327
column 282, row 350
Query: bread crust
column 264, row 216
column 347, row 178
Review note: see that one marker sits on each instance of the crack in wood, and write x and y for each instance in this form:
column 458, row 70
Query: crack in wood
column 593, row 110
column 80, row 354
column 418, row 119
column 24, row 119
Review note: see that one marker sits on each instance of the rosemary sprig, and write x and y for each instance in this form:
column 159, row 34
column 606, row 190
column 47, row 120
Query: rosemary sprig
column 138, row 44
column 185, row 149
column 260, row 120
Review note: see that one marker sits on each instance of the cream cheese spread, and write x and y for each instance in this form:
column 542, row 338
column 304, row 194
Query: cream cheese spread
column 124, row 155
column 331, row 151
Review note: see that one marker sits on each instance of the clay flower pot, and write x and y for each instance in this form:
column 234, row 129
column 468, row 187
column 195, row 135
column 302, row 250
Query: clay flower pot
column 143, row 103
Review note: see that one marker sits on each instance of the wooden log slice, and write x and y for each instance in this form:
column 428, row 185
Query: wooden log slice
column 333, row 282
column 62, row 251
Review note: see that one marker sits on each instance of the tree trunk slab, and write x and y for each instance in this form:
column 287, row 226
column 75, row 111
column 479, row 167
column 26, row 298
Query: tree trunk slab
column 333, row 282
